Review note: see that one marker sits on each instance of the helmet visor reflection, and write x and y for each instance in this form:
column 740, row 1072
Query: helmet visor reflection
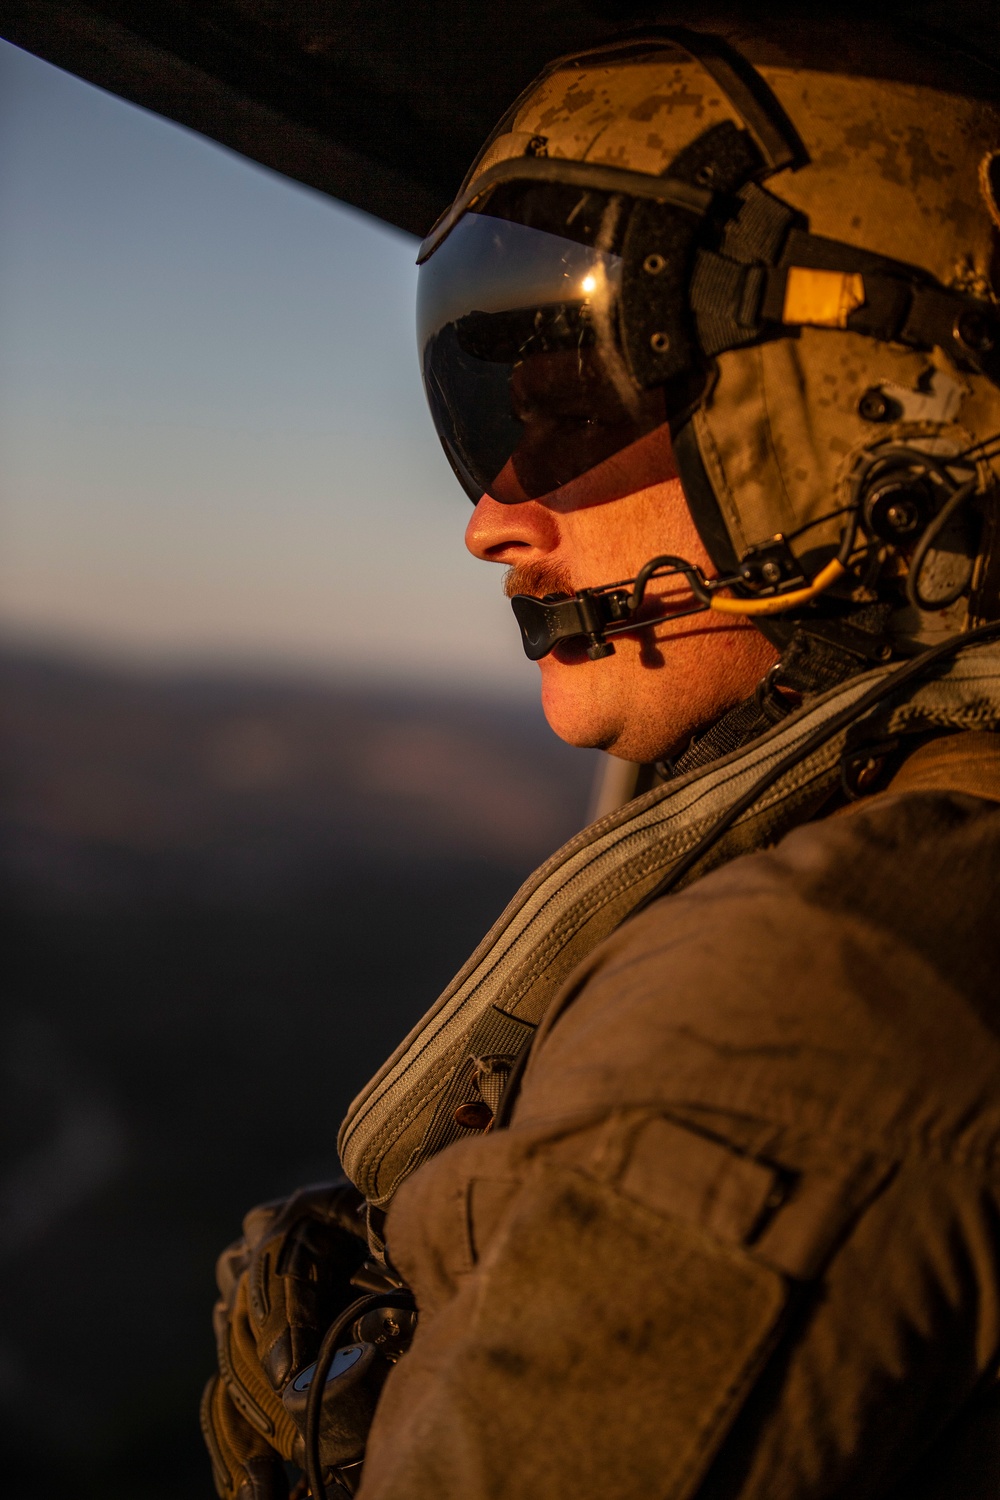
column 522, row 364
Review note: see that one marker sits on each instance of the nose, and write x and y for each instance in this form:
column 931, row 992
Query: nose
column 519, row 533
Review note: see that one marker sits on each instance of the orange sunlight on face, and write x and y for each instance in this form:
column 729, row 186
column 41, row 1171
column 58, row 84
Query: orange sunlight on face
column 665, row 680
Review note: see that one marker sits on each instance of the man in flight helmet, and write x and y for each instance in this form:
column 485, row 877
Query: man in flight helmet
column 688, row 1184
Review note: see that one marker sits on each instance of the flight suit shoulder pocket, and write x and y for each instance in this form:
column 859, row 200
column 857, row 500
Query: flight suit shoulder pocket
column 641, row 1255
column 672, row 1169
column 591, row 1300
column 791, row 1216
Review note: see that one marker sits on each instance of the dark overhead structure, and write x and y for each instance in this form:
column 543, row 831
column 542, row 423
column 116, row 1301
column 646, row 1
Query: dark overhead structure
column 381, row 103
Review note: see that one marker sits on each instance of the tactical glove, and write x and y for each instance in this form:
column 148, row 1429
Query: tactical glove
column 244, row 1465
column 281, row 1285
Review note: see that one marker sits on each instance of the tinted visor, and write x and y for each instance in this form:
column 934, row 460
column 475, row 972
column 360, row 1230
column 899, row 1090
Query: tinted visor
column 518, row 316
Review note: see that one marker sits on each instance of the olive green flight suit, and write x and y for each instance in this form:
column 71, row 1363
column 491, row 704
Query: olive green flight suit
column 742, row 1238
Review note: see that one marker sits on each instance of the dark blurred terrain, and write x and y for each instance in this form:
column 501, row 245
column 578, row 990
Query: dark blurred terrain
column 227, row 898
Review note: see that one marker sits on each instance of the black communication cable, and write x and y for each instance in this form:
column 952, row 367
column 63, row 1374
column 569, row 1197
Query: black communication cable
column 930, row 535
column 324, row 1359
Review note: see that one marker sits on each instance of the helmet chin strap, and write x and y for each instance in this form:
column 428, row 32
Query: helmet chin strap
column 594, row 614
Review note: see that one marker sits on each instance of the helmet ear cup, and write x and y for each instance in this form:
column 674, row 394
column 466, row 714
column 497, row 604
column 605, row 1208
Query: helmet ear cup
column 919, row 506
column 897, row 503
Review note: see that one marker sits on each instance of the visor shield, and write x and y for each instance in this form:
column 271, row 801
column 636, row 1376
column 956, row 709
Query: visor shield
column 518, row 331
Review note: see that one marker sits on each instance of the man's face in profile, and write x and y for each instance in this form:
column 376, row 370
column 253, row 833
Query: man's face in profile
column 665, row 680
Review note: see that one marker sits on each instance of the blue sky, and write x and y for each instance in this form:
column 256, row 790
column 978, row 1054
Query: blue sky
column 213, row 440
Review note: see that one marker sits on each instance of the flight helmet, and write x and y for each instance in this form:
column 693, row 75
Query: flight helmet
column 788, row 259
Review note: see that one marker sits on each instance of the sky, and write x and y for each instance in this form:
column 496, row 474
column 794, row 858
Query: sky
column 214, row 446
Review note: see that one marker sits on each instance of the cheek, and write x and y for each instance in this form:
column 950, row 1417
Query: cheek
column 663, row 519
column 613, row 541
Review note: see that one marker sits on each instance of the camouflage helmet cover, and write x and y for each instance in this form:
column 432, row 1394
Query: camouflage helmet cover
column 905, row 171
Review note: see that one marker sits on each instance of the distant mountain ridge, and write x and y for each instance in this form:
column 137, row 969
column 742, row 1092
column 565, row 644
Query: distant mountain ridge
column 120, row 785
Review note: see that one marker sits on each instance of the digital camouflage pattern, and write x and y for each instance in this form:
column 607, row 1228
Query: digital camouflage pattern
column 906, row 171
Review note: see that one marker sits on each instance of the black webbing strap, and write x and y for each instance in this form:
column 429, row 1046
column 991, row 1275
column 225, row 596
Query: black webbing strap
column 738, row 291
column 741, row 725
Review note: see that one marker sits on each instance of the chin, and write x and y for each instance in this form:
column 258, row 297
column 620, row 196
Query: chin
column 575, row 710
column 595, row 706
column 589, row 708
column 642, row 704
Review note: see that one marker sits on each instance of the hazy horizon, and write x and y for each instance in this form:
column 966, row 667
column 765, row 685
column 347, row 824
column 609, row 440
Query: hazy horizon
column 215, row 447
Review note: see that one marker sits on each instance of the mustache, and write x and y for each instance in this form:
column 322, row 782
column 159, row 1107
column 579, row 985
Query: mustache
column 537, row 579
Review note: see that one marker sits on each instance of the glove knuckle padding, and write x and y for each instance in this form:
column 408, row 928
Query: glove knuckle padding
column 299, row 1273
column 258, row 1278
column 244, row 1466
column 245, row 1378
column 222, row 1468
column 258, row 1221
column 281, row 1284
